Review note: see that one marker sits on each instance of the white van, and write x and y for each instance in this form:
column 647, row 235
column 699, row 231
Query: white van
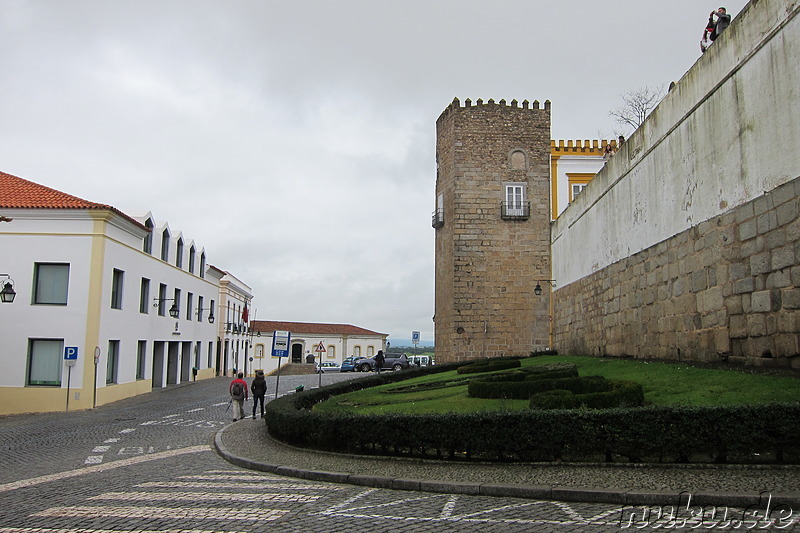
column 420, row 360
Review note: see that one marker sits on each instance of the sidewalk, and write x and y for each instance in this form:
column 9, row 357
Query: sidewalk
column 247, row 444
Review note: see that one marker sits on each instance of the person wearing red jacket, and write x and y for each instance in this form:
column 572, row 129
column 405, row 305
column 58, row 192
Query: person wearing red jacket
column 238, row 391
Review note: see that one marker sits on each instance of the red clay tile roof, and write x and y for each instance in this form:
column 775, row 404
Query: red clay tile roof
column 18, row 193
column 269, row 326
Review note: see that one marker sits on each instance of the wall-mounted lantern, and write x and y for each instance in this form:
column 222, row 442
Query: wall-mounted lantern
column 538, row 289
column 8, row 293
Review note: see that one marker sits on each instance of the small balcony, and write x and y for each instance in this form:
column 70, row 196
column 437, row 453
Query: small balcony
column 437, row 220
column 515, row 211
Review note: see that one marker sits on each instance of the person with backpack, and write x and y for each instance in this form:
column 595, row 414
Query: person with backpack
column 259, row 389
column 239, row 394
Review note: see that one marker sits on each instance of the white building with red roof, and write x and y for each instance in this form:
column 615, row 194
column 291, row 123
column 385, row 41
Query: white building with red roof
column 107, row 305
column 325, row 342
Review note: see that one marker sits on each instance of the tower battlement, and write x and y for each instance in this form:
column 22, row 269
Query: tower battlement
column 502, row 104
column 578, row 147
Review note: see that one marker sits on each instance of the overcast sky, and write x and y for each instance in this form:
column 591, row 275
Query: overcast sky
column 296, row 140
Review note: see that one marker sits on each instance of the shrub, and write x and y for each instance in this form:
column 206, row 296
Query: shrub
column 607, row 395
column 489, row 365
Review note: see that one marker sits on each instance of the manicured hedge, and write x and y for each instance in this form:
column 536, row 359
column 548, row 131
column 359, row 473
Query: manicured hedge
column 742, row 433
column 489, row 365
column 522, row 390
column 606, row 395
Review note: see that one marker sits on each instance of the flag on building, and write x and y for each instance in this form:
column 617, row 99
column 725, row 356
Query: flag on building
column 245, row 314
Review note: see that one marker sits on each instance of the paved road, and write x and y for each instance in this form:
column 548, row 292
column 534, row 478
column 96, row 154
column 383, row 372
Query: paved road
column 146, row 464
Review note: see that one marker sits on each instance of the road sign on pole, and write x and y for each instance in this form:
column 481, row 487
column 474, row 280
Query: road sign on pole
column 320, row 347
column 280, row 343
column 415, row 338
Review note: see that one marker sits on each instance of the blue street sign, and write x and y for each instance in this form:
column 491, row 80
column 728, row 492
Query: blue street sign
column 281, row 341
column 70, row 353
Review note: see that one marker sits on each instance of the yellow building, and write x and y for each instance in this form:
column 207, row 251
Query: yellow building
column 573, row 164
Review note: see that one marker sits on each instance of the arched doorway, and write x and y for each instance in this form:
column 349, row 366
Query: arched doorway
column 297, row 353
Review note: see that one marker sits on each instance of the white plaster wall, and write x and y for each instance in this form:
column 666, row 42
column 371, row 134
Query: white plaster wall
column 65, row 237
column 727, row 132
column 129, row 325
column 21, row 320
column 571, row 165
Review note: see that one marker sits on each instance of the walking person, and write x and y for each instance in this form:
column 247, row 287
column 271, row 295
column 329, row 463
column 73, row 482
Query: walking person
column 238, row 391
column 259, row 389
column 379, row 359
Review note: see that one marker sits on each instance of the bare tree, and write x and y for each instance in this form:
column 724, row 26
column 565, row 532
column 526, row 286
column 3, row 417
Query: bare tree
column 637, row 104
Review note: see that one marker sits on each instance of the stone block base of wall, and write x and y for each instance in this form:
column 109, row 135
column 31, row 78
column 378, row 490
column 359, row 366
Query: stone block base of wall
column 727, row 289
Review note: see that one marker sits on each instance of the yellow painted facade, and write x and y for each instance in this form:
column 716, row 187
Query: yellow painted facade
column 573, row 162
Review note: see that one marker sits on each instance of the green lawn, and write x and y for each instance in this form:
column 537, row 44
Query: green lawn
column 663, row 383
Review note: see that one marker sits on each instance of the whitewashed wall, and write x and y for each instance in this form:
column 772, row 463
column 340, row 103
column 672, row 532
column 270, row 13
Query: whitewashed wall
column 727, row 133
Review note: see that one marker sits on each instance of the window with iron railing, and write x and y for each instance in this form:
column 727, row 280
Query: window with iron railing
column 437, row 220
column 518, row 211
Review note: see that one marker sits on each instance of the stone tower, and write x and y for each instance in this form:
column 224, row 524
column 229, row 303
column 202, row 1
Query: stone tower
column 492, row 223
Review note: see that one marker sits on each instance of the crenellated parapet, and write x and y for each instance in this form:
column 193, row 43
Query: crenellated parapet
column 578, row 147
column 491, row 103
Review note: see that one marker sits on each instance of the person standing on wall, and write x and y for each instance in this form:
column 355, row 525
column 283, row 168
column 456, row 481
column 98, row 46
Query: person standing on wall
column 722, row 22
column 238, row 390
column 259, row 389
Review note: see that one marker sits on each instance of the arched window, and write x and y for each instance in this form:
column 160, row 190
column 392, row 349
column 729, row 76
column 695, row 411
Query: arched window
column 165, row 245
column 357, row 351
column 179, row 253
column 331, row 350
column 191, row 259
column 203, row 265
column 147, row 246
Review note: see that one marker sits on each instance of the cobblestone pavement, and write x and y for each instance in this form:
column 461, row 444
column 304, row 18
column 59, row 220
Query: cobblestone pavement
column 147, row 464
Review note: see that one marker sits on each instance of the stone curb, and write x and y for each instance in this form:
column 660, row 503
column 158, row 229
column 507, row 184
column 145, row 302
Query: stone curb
column 537, row 492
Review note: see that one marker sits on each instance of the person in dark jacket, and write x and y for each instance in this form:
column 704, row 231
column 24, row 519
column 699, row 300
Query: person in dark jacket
column 259, row 389
column 722, row 22
column 379, row 359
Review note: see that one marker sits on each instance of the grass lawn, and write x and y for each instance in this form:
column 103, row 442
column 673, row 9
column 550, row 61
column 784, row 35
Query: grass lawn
column 663, row 383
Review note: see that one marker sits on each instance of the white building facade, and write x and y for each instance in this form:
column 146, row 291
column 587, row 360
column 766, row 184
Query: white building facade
column 97, row 289
column 233, row 310
column 323, row 342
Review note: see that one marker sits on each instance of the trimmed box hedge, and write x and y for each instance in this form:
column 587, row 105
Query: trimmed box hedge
column 742, row 433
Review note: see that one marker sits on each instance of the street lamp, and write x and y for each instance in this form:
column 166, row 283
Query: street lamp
column 8, row 293
column 252, row 334
column 210, row 314
column 174, row 312
column 538, row 289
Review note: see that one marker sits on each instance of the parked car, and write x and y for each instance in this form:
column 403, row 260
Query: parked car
column 328, row 366
column 349, row 364
column 391, row 361
column 420, row 360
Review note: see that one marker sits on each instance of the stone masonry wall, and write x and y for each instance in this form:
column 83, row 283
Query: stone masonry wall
column 487, row 266
column 726, row 289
